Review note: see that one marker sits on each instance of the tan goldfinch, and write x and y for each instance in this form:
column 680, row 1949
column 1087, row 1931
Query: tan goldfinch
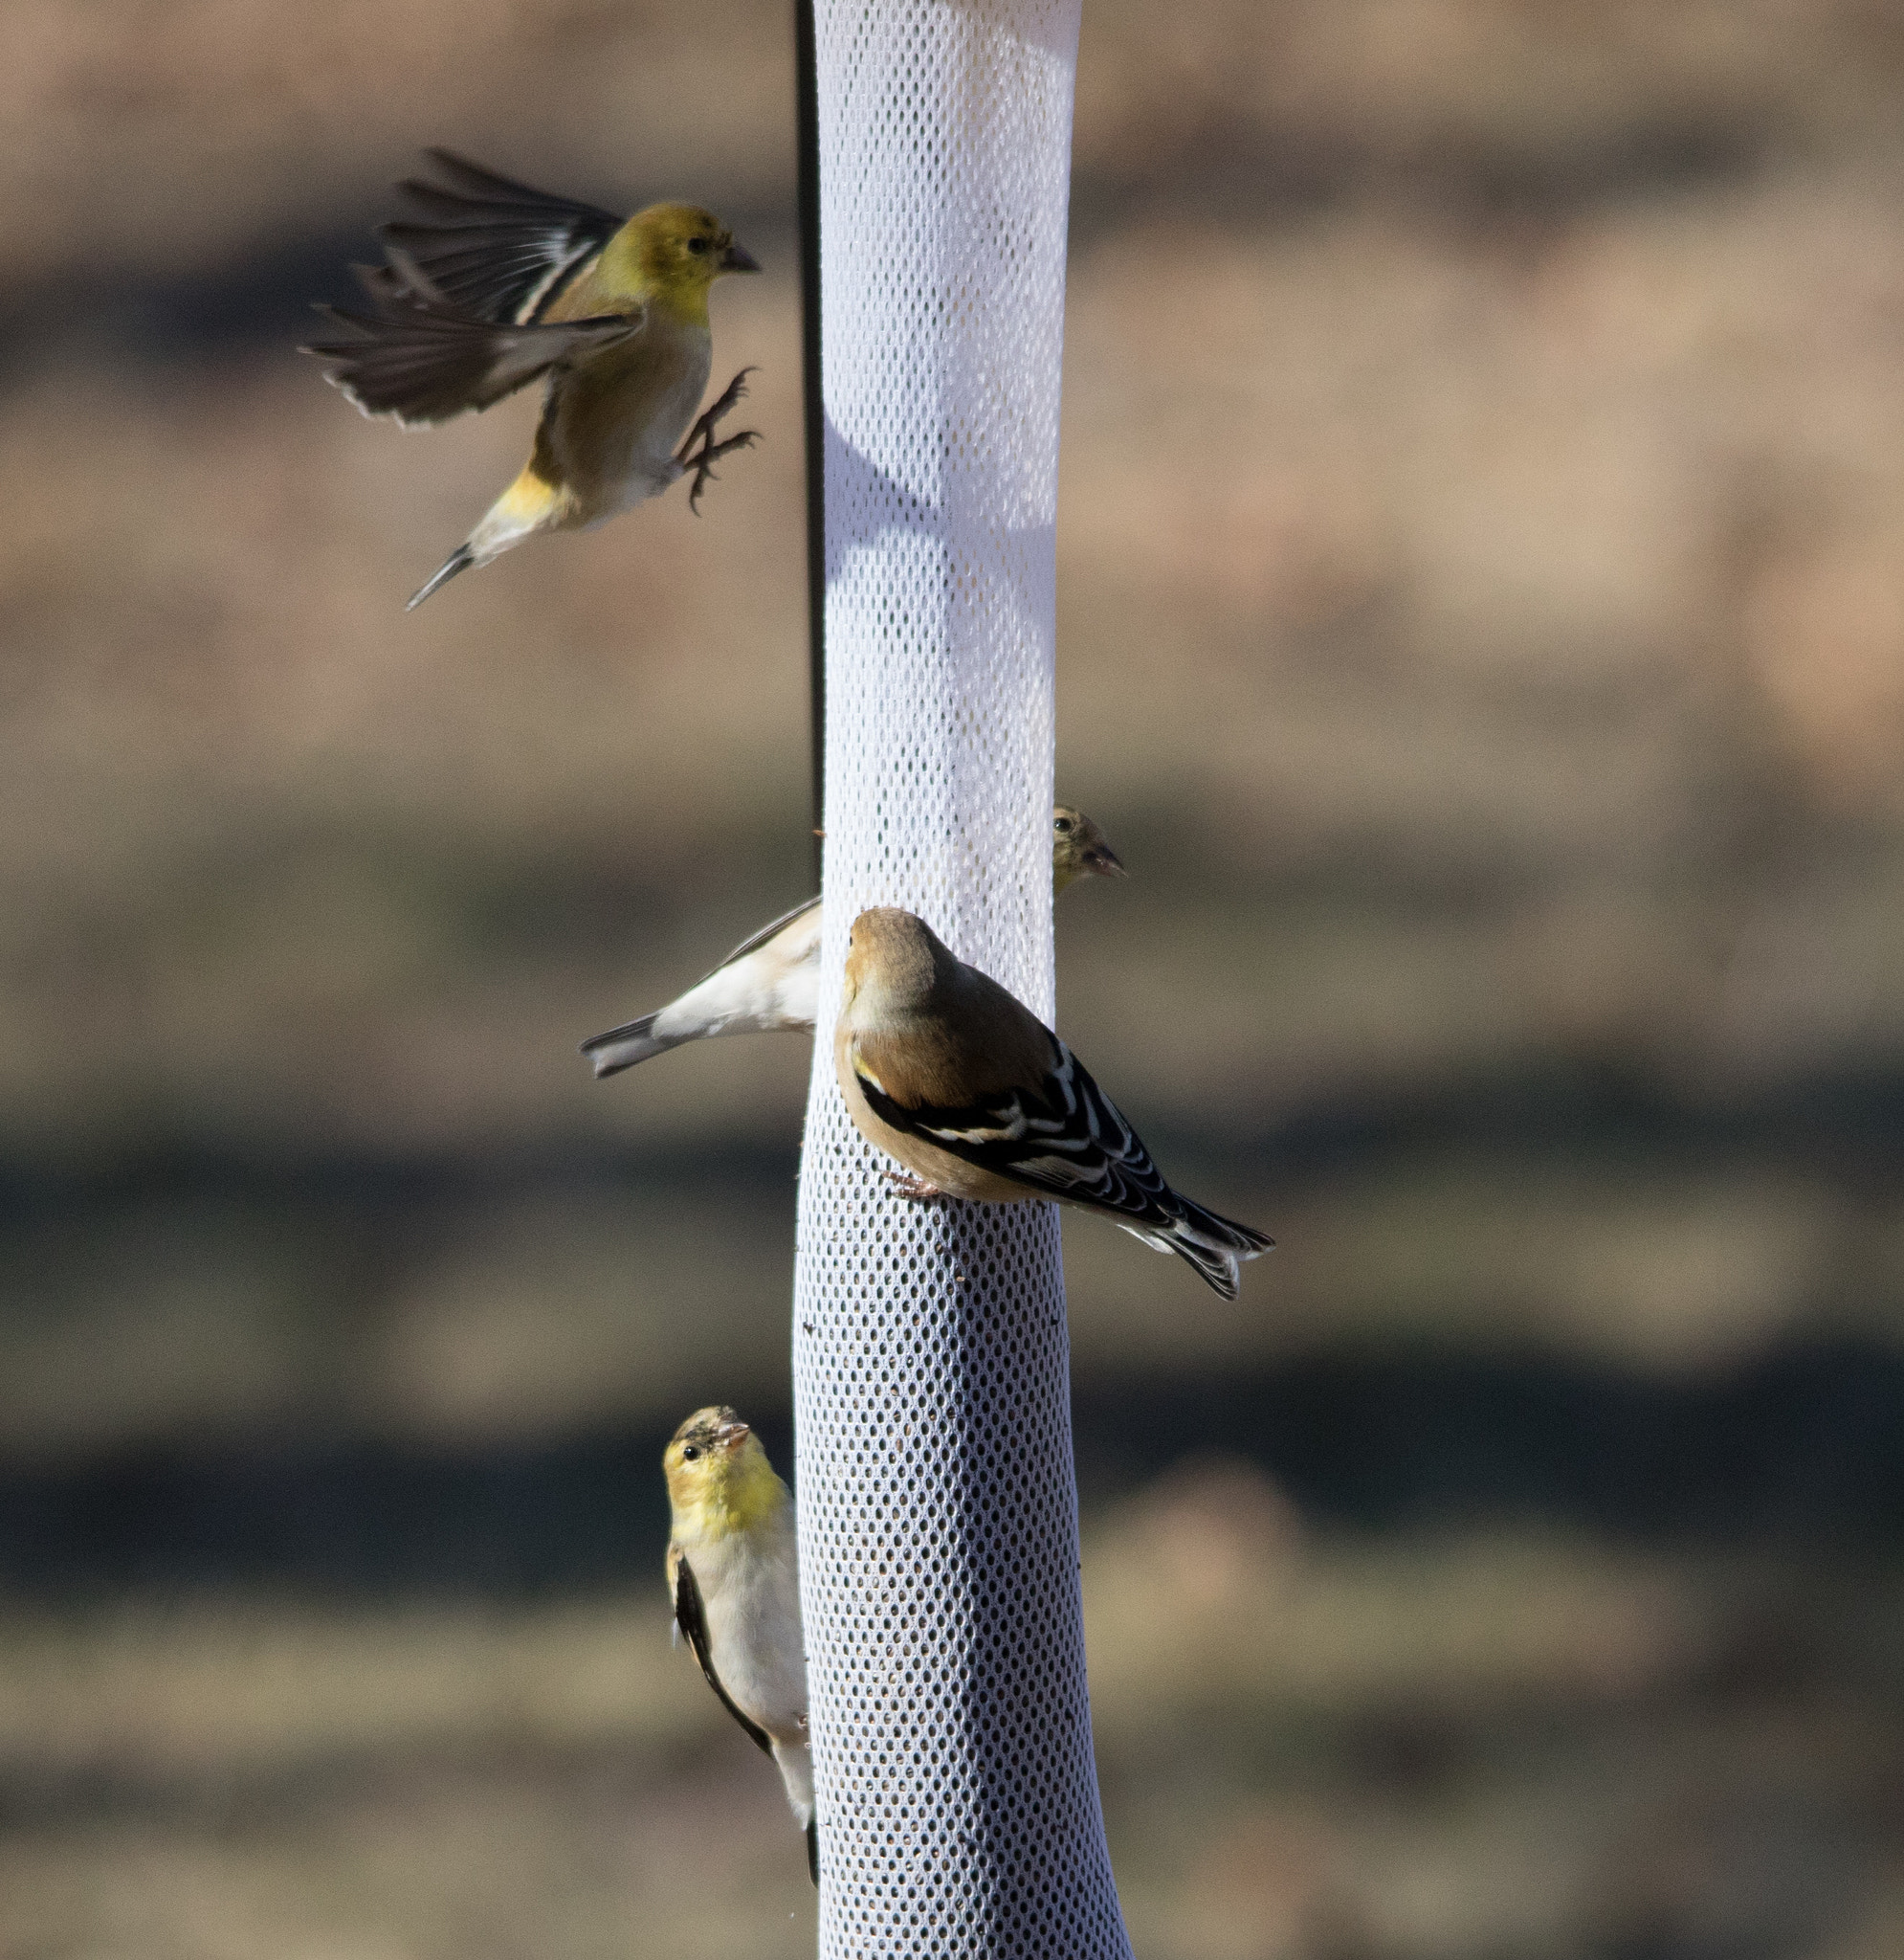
column 950, row 1073
column 734, row 1577
column 770, row 984
column 496, row 285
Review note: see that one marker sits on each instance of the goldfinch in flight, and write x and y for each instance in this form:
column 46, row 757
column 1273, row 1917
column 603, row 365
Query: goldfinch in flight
column 946, row 1072
column 734, row 1578
column 770, row 984
column 495, row 284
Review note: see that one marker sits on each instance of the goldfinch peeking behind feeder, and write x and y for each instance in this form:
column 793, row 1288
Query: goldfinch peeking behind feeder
column 497, row 284
column 770, row 984
column 733, row 1579
column 948, row 1073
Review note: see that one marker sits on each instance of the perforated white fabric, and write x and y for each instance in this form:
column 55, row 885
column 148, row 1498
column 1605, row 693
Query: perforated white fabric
column 956, row 1793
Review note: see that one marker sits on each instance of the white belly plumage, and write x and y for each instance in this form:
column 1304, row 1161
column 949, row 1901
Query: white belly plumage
column 750, row 1602
column 651, row 467
column 774, row 989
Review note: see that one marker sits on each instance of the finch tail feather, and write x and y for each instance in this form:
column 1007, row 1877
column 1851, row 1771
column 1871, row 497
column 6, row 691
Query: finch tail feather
column 458, row 560
column 623, row 1047
column 1214, row 1246
column 796, row 1770
column 1218, row 1270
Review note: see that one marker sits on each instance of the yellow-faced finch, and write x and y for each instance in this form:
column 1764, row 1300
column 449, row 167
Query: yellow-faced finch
column 950, row 1073
column 770, row 983
column 734, row 1577
column 495, row 284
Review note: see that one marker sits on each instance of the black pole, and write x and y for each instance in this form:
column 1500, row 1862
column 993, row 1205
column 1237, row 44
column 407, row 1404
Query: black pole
column 806, row 88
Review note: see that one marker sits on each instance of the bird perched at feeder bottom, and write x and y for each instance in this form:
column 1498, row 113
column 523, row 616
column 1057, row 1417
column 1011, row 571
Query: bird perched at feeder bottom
column 500, row 283
column 733, row 1575
column 971, row 1092
column 771, row 982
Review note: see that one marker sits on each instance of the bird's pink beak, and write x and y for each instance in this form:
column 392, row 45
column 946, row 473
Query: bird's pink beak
column 738, row 258
column 730, row 1436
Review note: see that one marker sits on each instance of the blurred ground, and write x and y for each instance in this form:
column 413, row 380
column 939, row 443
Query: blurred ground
column 1482, row 632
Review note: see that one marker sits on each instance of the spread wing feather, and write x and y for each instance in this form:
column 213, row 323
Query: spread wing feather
column 692, row 1620
column 422, row 360
column 495, row 249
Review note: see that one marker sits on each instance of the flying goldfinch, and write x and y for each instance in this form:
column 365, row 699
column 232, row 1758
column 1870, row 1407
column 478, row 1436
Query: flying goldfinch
column 734, row 1577
column 950, row 1073
column 770, row 983
column 496, row 285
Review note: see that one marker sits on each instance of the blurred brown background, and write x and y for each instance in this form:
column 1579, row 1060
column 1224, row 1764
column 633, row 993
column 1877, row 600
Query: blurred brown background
column 1482, row 632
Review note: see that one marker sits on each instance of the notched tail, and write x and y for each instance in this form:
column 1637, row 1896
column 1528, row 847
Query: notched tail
column 1244, row 1240
column 1218, row 1270
column 1215, row 1246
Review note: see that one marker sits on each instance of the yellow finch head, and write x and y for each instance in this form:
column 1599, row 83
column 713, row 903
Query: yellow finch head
column 673, row 251
column 1080, row 849
column 718, row 1477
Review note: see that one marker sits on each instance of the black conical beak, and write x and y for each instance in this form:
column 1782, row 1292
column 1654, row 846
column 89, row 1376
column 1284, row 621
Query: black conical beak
column 1105, row 861
column 738, row 258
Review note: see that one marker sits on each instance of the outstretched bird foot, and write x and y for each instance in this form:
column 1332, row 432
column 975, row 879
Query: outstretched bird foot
column 704, row 429
column 909, row 1184
column 703, row 460
column 710, row 454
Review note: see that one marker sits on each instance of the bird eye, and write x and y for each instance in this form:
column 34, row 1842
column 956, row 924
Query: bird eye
column 689, row 1454
column 698, row 245
column 1062, row 825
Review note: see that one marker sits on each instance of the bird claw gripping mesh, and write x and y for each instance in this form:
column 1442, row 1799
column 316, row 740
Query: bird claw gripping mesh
column 958, row 1798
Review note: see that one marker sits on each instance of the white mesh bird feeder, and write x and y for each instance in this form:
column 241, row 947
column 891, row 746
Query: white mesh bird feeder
column 957, row 1791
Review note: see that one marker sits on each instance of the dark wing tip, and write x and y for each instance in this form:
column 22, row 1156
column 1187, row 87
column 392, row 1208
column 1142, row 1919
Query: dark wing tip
column 351, row 322
column 754, row 942
column 627, row 1032
column 454, row 164
column 693, row 1623
column 458, row 560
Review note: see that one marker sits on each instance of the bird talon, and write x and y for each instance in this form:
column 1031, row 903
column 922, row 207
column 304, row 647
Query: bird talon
column 909, row 1184
column 704, row 429
column 703, row 477
column 709, row 454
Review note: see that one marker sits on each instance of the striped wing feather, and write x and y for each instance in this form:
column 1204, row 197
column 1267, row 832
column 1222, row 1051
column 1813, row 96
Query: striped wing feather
column 495, row 249
column 422, row 362
column 1067, row 1138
